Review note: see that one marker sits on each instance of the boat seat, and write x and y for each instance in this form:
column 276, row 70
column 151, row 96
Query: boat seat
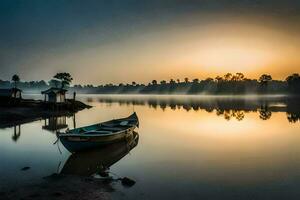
column 124, row 123
column 86, row 129
column 112, row 129
column 99, row 132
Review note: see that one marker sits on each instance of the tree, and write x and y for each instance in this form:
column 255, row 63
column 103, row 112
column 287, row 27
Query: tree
column 54, row 83
column 294, row 77
column 41, row 84
column 133, row 83
column 154, row 82
column 293, row 82
column 239, row 76
column 15, row 79
column 172, row 81
column 178, row 80
column 265, row 79
column 209, row 79
column 163, row 82
column 219, row 79
column 196, row 80
column 186, row 80
column 65, row 78
column 228, row 76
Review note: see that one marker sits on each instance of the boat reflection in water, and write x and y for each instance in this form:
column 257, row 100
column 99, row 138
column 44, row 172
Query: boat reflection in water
column 98, row 161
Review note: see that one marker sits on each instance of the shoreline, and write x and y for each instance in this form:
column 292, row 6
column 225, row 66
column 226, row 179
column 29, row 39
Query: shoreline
column 25, row 111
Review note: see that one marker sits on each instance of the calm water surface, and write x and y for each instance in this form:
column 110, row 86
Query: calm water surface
column 188, row 147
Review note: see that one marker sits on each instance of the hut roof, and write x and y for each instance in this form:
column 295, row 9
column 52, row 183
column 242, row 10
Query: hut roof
column 54, row 90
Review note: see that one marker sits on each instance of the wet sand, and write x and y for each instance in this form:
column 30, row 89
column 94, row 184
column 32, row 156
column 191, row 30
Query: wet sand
column 63, row 187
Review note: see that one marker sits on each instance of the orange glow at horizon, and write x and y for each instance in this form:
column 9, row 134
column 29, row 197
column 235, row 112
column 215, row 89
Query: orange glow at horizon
column 252, row 50
column 193, row 51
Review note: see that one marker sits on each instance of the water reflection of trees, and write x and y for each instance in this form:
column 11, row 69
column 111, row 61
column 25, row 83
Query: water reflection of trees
column 293, row 117
column 229, row 114
column 265, row 114
column 229, row 108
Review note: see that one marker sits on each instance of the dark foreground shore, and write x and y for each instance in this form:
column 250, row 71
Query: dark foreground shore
column 64, row 187
column 14, row 113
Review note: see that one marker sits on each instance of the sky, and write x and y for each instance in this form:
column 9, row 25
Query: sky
column 114, row 41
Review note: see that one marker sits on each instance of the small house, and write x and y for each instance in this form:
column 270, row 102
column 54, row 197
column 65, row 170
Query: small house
column 55, row 95
column 11, row 93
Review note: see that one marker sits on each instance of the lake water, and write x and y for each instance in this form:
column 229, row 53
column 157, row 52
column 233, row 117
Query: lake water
column 189, row 147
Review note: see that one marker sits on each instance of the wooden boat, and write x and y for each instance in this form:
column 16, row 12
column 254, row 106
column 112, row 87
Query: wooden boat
column 95, row 161
column 98, row 134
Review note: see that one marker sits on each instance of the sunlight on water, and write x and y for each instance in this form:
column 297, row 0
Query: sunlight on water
column 181, row 153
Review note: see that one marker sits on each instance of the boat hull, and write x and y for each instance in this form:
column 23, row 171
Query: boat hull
column 87, row 163
column 86, row 142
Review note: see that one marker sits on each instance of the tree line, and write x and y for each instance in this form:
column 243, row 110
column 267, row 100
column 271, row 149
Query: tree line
column 227, row 84
column 228, row 108
column 59, row 80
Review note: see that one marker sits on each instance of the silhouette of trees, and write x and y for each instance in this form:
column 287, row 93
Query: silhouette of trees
column 228, row 109
column 196, row 80
column 229, row 114
column 219, row 79
column 172, row 81
column 154, row 82
column 265, row 79
column 265, row 114
column 186, row 80
column 227, row 84
column 65, row 78
column 16, row 79
column 163, row 82
column 209, row 79
column 238, row 77
column 54, row 83
column 293, row 117
column 293, row 82
column 228, row 77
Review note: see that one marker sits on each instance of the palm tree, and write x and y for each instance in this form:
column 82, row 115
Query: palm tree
column 15, row 79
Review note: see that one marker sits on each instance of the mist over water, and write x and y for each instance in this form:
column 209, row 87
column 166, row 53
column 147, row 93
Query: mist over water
column 189, row 147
